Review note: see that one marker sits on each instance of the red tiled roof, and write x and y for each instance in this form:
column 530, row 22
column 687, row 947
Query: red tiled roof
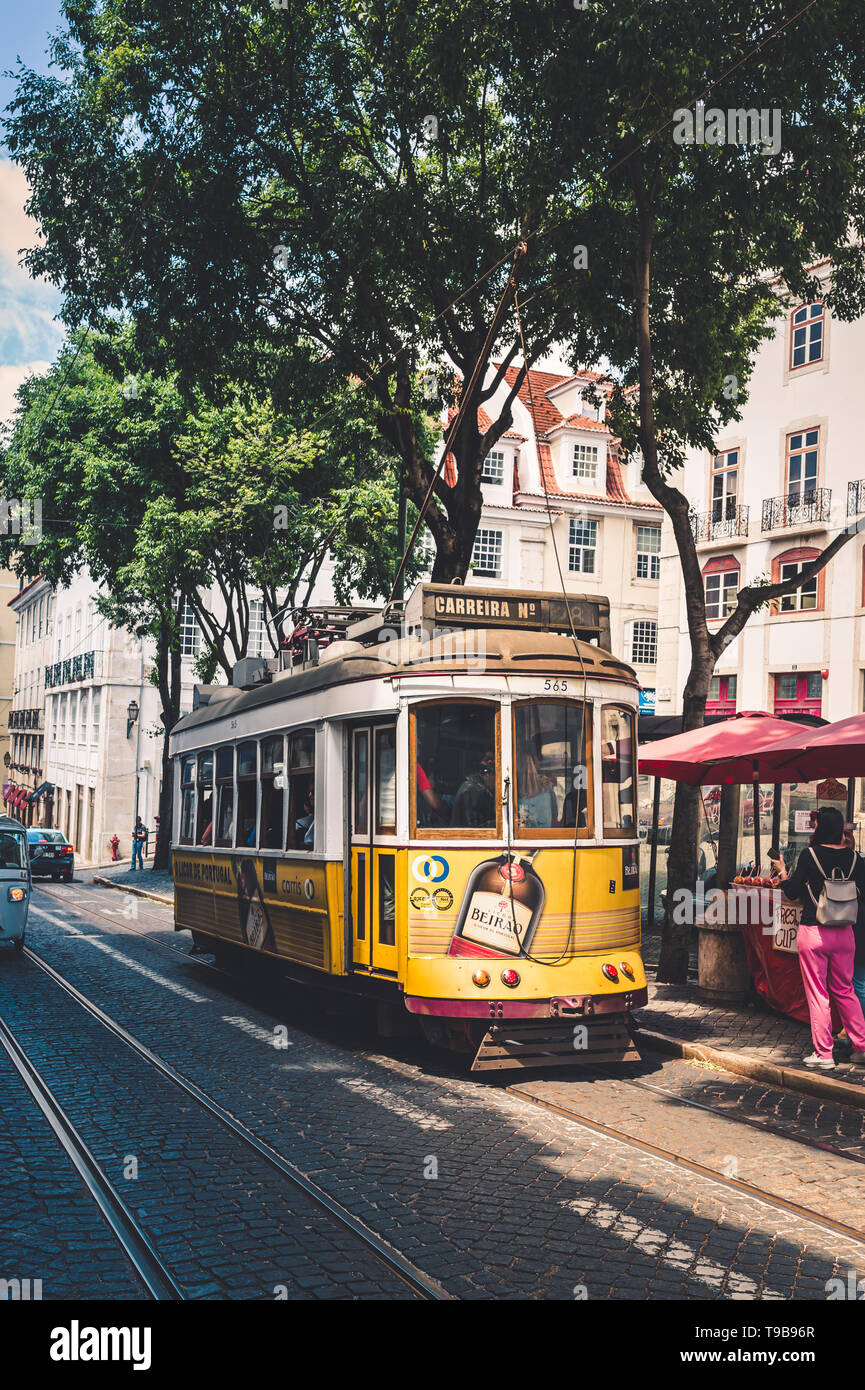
column 584, row 422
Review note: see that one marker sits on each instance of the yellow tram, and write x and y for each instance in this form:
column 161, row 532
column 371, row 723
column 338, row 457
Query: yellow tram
column 436, row 809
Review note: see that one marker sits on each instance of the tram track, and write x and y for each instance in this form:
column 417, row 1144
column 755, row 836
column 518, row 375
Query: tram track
column 738, row 1185
column 137, row 1246
column 143, row 1254
column 761, row 1194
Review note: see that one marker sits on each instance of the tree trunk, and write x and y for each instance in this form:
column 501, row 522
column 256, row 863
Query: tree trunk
column 168, row 667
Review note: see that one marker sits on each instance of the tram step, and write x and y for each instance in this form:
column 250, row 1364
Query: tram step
column 553, row 1045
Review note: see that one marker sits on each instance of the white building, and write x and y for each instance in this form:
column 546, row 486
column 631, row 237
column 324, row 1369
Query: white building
column 32, row 608
column 783, row 482
column 553, row 487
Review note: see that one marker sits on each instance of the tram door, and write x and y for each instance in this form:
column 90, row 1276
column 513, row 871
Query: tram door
column 373, row 848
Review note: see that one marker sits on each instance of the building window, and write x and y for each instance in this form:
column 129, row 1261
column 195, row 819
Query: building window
column 799, row 692
column 721, row 698
column 802, row 598
column 648, row 552
column 803, row 451
column 725, row 485
column 721, row 585
column 255, row 645
column 806, row 340
column 85, row 700
column 811, row 595
column 494, row 467
column 586, row 462
column 190, row 632
column 644, row 643
column 95, row 698
column 582, row 545
column 487, row 554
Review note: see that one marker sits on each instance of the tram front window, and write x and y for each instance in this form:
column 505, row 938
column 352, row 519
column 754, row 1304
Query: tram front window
column 617, row 771
column 552, row 780
column 456, row 781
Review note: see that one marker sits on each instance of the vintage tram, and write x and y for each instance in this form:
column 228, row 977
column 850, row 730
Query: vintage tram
column 435, row 807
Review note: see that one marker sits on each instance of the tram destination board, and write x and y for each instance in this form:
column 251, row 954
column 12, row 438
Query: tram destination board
column 449, row 605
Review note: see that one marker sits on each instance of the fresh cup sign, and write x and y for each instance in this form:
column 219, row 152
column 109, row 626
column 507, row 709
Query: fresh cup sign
column 785, row 928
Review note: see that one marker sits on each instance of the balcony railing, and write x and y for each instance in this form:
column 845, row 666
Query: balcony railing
column 720, row 524
column 797, row 509
column 856, row 497
column 25, row 719
column 75, row 668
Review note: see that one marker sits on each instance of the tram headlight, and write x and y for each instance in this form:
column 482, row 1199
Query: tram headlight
column 610, row 972
column 481, row 978
column 510, row 978
column 16, row 895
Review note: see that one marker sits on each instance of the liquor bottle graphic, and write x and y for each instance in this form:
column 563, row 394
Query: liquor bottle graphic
column 501, row 908
column 255, row 925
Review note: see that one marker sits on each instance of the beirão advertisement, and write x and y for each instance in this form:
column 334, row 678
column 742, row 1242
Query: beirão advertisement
column 523, row 902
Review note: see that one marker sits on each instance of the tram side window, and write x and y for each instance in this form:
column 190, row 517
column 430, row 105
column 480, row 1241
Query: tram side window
column 247, row 793
column 204, row 825
column 272, row 793
column 224, row 796
column 456, row 780
column 552, row 788
column 617, row 770
column 187, row 800
column 301, row 789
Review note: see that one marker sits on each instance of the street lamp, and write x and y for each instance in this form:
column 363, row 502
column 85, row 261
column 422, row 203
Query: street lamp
column 131, row 716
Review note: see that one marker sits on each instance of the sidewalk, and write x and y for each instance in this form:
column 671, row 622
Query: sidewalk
column 746, row 1039
column 144, row 883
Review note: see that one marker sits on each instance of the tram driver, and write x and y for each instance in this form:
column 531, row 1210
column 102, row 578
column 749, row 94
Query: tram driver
column 474, row 803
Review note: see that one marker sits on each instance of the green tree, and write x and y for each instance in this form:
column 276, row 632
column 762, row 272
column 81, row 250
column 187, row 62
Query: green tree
column 167, row 498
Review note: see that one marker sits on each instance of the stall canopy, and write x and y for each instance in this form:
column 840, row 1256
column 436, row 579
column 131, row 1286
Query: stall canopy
column 735, row 750
column 835, row 750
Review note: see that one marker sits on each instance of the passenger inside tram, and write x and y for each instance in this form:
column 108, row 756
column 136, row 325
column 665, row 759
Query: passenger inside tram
column 456, row 765
column 552, row 777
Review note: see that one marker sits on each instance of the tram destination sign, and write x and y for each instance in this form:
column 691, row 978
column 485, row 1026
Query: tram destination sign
column 451, row 605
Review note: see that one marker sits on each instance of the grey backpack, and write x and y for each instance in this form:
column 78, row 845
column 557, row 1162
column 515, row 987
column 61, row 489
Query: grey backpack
column 838, row 903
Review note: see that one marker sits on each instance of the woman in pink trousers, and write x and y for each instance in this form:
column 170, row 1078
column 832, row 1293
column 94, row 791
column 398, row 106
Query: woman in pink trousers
column 826, row 953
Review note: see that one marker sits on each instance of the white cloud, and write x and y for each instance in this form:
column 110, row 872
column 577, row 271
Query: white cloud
column 28, row 330
column 10, row 379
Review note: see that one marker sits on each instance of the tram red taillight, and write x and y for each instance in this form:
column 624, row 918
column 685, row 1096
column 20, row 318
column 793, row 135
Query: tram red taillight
column 510, row 978
column 610, row 971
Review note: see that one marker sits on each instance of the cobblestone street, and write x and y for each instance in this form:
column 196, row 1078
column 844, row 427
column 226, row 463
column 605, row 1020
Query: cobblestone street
column 694, row 1183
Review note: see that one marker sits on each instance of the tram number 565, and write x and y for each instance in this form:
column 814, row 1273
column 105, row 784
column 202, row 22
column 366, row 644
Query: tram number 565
column 555, row 685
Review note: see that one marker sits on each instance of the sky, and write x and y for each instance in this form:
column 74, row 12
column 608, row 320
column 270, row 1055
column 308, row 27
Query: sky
column 29, row 333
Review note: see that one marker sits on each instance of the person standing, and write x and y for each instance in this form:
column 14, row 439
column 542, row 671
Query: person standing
column 826, row 952
column 139, row 835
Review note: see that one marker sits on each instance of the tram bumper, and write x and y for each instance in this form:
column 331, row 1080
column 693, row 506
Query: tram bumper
column 562, row 1006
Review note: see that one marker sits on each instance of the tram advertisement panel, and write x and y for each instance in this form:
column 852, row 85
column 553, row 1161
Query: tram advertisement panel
column 526, row 902
column 276, row 905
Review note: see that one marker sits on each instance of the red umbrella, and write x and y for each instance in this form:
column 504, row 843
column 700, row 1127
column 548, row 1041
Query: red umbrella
column 723, row 753
column 834, row 750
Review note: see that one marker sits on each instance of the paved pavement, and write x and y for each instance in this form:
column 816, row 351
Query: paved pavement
column 484, row 1189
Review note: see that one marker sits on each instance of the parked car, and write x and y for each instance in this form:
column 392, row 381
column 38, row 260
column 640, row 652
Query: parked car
column 50, row 853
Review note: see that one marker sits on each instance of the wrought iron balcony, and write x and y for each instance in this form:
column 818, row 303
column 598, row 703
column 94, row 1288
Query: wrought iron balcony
column 856, row 497
column 76, row 668
column 797, row 509
column 722, row 523
column 25, row 719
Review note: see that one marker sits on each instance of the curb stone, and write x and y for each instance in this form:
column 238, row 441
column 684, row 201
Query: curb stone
column 128, row 888
column 820, row 1085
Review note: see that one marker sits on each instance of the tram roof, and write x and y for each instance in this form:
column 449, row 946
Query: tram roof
column 508, row 651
